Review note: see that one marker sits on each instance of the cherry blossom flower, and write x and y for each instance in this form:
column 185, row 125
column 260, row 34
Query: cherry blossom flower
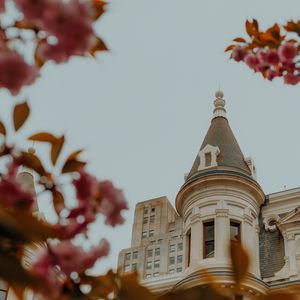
column 13, row 195
column 86, row 186
column 291, row 79
column 271, row 74
column 272, row 57
column 2, row 6
column 252, row 61
column 112, row 203
column 15, row 72
column 238, row 54
column 287, row 52
column 261, row 56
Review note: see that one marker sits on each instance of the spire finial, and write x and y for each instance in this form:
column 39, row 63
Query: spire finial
column 219, row 103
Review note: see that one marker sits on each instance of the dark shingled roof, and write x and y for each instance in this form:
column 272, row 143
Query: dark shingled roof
column 220, row 134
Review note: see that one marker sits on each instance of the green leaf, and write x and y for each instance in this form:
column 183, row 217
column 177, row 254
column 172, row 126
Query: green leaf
column 20, row 115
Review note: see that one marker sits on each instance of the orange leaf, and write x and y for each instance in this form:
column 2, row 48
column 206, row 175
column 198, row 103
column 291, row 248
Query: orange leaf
column 31, row 161
column 230, row 47
column 74, row 155
column 99, row 45
column 20, row 115
column 2, row 129
column 240, row 261
column 239, row 40
column 99, row 8
column 56, row 148
column 38, row 60
column 43, row 137
column 58, row 201
column 73, row 165
column 252, row 28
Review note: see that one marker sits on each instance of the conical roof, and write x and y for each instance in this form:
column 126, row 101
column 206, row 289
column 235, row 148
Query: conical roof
column 220, row 135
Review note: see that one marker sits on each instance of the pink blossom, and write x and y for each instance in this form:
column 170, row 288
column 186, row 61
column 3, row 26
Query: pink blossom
column 15, row 72
column 71, row 258
column 86, row 186
column 13, row 195
column 112, row 203
column 272, row 57
column 287, row 52
column 34, row 10
column 238, row 53
column 271, row 74
column 2, row 6
column 251, row 60
column 71, row 24
column 261, row 56
column 42, row 269
column 291, row 79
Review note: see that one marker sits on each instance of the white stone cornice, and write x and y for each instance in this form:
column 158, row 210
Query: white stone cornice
column 222, row 212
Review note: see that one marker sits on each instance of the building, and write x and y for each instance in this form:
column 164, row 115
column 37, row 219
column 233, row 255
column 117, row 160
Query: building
column 219, row 201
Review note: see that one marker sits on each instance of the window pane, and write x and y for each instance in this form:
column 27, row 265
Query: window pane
column 172, row 260
column 178, row 270
column 151, row 232
column 156, row 263
column 144, row 234
column 134, row 267
column 209, row 231
column 157, row 251
column 135, row 255
column 179, row 259
column 207, row 159
column 150, row 252
column 3, row 295
column 172, row 248
column 234, row 231
column 209, row 239
column 127, row 268
column 127, row 256
column 179, row 247
column 145, row 220
column 156, row 274
column 149, row 265
column 152, row 219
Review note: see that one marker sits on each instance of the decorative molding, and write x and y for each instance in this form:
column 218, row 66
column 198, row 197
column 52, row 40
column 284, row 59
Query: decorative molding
column 267, row 222
column 222, row 212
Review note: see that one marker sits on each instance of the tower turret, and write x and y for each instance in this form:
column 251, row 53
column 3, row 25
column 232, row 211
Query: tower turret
column 220, row 201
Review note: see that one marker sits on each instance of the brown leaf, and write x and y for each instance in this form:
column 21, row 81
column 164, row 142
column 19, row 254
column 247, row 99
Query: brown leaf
column 230, row 47
column 43, row 137
column 239, row 40
column 31, row 161
column 240, row 261
column 38, row 60
column 56, row 149
column 99, row 8
column 292, row 26
column 2, row 129
column 20, row 115
column 99, row 45
column 74, row 155
column 58, row 201
column 252, row 28
column 73, row 165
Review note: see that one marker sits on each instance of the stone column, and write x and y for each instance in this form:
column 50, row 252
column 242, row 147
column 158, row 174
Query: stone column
column 196, row 240
column 292, row 254
column 222, row 234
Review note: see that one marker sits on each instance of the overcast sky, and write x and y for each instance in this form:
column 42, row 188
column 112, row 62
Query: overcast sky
column 142, row 110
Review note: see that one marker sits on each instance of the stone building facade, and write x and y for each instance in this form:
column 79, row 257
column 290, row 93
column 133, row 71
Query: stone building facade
column 219, row 201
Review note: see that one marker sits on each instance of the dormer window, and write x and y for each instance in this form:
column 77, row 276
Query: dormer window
column 208, row 157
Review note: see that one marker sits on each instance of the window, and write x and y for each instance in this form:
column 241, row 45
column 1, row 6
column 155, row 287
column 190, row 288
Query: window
column 157, row 251
column 126, row 268
column 157, row 263
column 178, row 270
column 172, row 248
column 144, row 234
column 152, row 219
column 150, row 252
column 134, row 267
column 148, row 275
column 179, row 247
column 209, row 239
column 127, row 256
column 152, row 210
column 235, row 231
column 172, row 271
column 179, row 259
column 3, row 294
column 151, row 232
column 208, row 159
column 160, row 241
column 135, row 255
column 156, row 274
column 145, row 220
column 188, row 237
column 149, row 265
column 172, row 260
column 152, row 242
column 145, row 211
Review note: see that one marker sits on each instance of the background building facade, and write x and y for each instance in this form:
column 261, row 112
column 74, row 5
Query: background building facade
column 220, row 201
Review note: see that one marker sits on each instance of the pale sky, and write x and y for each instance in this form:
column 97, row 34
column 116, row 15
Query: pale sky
column 142, row 110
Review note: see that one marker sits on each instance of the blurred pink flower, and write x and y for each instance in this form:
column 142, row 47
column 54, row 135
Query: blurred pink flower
column 71, row 24
column 238, row 53
column 2, row 6
column 112, row 203
column 13, row 195
column 15, row 72
column 291, row 79
column 86, row 186
column 252, row 61
column 287, row 52
column 261, row 56
column 271, row 74
column 272, row 57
